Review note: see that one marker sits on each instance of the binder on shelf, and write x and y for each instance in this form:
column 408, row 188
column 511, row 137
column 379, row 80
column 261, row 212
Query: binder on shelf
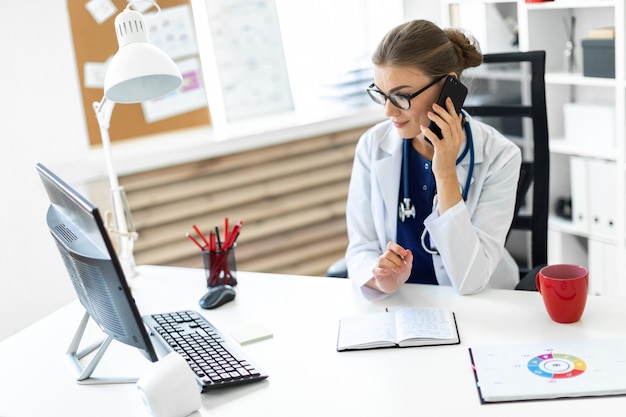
column 596, row 259
column 604, row 277
column 602, row 199
column 580, row 207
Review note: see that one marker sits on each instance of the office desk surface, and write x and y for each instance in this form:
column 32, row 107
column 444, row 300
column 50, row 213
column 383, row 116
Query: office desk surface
column 307, row 376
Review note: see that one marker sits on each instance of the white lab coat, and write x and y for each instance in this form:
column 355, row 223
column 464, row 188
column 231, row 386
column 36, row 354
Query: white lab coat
column 470, row 236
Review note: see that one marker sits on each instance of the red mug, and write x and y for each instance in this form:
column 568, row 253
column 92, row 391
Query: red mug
column 564, row 289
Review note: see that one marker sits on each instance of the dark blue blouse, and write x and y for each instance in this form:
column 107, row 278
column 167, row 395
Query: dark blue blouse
column 422, row 189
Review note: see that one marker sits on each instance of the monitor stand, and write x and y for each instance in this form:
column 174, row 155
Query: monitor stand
column 83, row 374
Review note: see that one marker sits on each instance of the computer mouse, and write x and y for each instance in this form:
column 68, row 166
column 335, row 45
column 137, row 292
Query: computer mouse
column 217, row 296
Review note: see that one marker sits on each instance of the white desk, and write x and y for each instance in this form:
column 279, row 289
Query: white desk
column 307, row 377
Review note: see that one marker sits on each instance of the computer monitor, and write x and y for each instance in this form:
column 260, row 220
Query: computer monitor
column 96, row 273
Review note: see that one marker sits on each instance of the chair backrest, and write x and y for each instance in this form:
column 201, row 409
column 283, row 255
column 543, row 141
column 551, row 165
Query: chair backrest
column 532, row 205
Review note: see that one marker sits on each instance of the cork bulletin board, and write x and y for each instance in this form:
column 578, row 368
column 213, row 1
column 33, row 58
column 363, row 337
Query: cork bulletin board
column 93, row 32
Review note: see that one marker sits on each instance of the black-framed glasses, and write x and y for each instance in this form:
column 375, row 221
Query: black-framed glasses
column 401, row 101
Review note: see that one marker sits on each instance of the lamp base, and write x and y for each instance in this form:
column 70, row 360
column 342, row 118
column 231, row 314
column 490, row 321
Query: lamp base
column 128, row 262
column 122, row 228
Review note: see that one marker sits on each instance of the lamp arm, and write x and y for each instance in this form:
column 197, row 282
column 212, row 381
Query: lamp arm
column 124, row 228
column 104, row 110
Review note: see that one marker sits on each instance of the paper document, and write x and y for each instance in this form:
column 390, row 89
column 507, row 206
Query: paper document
column 550, row 370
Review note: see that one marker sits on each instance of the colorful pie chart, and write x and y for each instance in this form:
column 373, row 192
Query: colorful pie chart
column 556, row 365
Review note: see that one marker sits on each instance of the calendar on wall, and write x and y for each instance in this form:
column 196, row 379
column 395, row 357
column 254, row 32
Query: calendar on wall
column 247, row 59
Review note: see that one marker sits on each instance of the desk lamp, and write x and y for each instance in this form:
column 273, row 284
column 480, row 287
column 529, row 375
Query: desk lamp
column 139, row 71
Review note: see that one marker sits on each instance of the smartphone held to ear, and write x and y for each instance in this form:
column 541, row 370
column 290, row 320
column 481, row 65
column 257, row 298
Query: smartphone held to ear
column 454, row 89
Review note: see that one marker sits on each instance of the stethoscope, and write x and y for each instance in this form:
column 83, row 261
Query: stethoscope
column 407, row 208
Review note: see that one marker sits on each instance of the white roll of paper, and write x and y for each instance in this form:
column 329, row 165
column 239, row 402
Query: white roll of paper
column 169, row 388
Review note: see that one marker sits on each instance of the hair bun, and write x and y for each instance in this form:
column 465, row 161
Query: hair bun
column 466, row 46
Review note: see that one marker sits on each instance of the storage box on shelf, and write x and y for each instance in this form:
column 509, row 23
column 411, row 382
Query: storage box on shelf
column 581, row 132
column 599, row 58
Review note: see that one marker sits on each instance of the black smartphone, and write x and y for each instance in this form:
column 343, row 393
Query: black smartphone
column 454, row 89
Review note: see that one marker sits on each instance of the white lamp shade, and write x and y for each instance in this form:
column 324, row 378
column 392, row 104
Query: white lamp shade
column 139, row 71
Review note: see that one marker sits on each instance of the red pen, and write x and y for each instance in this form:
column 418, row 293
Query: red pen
column 226, row 233
column 232, row 243
column 195, row 241
column 201, row 235
column 233, row 235
column 212, row 239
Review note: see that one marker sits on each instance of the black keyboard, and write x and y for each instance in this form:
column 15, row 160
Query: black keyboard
column 216, row 362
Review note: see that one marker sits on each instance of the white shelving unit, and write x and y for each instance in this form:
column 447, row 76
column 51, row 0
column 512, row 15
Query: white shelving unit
column 541, row 26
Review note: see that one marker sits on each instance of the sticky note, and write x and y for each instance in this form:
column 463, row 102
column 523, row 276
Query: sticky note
column 251, row 334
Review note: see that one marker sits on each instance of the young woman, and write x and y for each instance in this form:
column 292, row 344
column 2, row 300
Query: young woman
column 423, row 209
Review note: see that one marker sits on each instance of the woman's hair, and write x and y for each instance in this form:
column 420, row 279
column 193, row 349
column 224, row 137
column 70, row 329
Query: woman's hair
column 424, row 45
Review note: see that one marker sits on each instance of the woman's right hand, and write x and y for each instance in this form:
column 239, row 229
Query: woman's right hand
column 393, row 268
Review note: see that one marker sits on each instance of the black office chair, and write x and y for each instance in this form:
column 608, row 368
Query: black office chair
column 532, row 205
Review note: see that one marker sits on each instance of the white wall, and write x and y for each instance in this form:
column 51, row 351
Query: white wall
column 42, row 121
column 423, row 9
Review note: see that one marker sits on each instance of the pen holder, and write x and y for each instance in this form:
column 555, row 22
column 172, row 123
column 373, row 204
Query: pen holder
column 220, row 267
